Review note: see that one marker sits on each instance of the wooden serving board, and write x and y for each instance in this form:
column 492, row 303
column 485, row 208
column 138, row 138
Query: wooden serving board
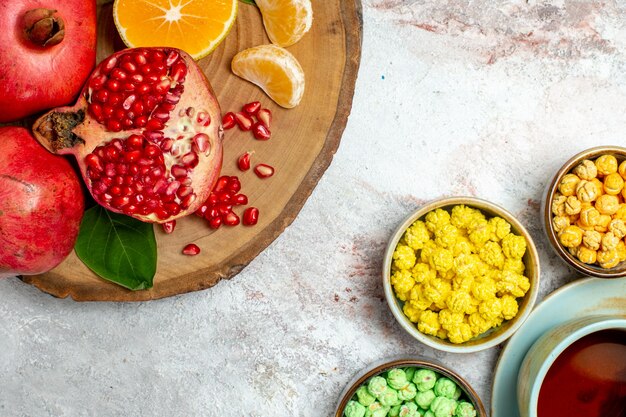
column 302, row 146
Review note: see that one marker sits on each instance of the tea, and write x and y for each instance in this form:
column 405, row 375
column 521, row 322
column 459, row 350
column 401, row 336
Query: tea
column 588, row 379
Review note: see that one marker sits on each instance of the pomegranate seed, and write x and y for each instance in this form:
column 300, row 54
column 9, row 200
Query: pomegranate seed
column 221, row 184
column 203, row 119
column 154, row 124
column 179, row 71
column 171, row 58
column 240, row 200
column 179, row 171
column 119, row 74
column 134, row 142
column 234, row 185
column 143, row 89
column 188, row 201
column 115, row 99
column 96, row 111
column 252, row 108
column 184, row 191
column 97, row 81
column 265, row 116
column 120, row 202
column 113, row 85
column 243, row 121
column 231, row 219
column 223, row 209
column 190, row 159
column 93, row 162
column 191, row 250
column 136, row 78
column 244, row 161
column 201, row 143
column 263, row 171
column 212, row 200
column 101, row 96
column 108, row 64
column 114, row 125
column 129, row 101
column 215, row 222
column 250, row 216
column 202, row 210
column 141, row 121
column 260, row 131
column 228, row 121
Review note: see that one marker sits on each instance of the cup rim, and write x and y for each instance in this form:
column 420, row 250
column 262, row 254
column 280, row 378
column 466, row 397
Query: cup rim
column 382, row 365
column 615, row 272
column 594, row 324
column 407, row 325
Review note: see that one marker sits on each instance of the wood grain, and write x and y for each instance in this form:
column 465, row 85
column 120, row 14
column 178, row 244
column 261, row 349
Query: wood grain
column 303, row 143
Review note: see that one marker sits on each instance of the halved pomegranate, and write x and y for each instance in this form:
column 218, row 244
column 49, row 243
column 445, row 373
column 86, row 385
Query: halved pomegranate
column 146, row 132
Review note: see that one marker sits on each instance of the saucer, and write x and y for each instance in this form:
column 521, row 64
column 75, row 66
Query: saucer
column 581, row 298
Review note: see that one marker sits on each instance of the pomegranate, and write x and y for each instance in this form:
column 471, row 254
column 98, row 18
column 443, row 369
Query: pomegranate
column 48, row 50
column 41, row 205
column 146, row 132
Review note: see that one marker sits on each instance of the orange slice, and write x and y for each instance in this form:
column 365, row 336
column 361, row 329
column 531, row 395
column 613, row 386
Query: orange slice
column 286, row 21
column 195, row 26
column 273, row 69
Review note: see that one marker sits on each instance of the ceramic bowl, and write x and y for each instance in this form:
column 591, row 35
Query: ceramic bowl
column 547, row 348
column 546, row 213
column 403, row 362
column 494, row 336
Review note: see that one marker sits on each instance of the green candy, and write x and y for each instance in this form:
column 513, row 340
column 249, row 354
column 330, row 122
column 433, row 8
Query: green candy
column 429, row 414
column 364, row 396
column 445, row 387
column 390, row 398
column 376, row 410
column 465, row 409
column 354, row 409
column 409, row 410
column 424, row 398
column 407, row 393
column 424, row 379
column 443, row 407
column 377, row 386
column 457, row 393
column 396, row 378
column 409, row 372
column 394, row 411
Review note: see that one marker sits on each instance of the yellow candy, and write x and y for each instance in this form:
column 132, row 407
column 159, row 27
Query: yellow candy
column 417, row 235
column 402, row 281
column 441, row 259
column 608, row 259
column 586, row 255
column 404, row 257
column 422, row 272
column 492, row 254
column 586, row 170
column 559, row 223
column 490, row 309
column 437, row 219
column 460, row 333
column 586, row 191
column 509, row 307
column 606, row 165
column 620, row 214
column 599, row 187
column 446, row 236
column 603, row 223
column 428, row 323
column 572, row 206
column 613, row 184
column 609, row 241
column 558, row 205
column 618, row 227
column 589, row 216
column 514, row 246
column 571, row 236
column 622, row 169
column 592, row 239
column 568, row 184
column 411, row 312
column 459, row 302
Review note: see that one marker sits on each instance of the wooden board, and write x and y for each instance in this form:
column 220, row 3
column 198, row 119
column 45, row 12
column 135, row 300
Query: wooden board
column 303, row 143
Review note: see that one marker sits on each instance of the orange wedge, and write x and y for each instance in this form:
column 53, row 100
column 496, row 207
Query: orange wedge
column 286, row 21
column 195, row 26
column 273, row 69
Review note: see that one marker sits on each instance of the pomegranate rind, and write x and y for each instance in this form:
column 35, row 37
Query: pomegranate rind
column 37, row 78
column 41, row 205
column 70, row 130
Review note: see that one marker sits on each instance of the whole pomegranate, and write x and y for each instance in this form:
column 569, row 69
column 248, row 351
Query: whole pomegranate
column 41, row 205
column 48, row 50
column 146, row 132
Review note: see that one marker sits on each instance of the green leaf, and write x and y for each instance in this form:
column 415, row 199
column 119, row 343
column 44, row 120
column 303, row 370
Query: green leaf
column 248, row 2
column 118, row 248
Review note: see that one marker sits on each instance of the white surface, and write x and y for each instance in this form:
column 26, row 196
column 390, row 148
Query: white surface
column 454, row 97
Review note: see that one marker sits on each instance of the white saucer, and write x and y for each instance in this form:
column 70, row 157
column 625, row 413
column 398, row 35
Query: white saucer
column 584, row 297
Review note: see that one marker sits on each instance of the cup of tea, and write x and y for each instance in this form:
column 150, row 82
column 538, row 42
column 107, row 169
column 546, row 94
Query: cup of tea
column 576, row 369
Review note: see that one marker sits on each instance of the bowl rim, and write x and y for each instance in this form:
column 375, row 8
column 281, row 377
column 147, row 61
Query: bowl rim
column 399, row 315
column 546, row 213
column 588, row 325
column 404, row 361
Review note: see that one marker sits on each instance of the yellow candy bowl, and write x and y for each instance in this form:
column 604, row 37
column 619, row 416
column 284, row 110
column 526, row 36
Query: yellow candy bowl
column 493, row 336
column 552, row 189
